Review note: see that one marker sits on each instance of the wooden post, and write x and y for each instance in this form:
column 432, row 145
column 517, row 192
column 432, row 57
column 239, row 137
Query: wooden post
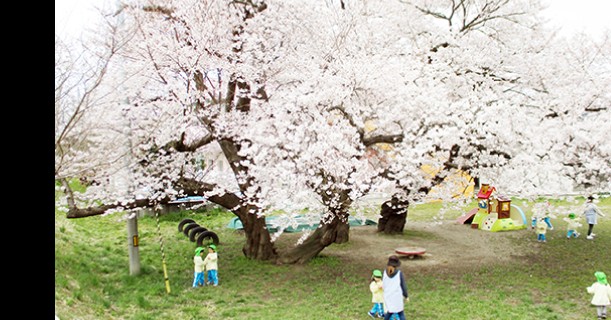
column 133, row 242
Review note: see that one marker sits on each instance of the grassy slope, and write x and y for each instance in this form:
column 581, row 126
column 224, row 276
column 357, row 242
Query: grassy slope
column 92, row 278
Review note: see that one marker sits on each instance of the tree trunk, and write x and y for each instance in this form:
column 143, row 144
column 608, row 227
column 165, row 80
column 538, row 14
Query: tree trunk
column 394, row 215
column 335, row 232
column 258, row 244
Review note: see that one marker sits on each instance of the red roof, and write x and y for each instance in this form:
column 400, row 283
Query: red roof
column 485, row 195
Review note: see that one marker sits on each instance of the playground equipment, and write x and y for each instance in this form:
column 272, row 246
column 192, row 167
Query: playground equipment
column 411, row 252
column 494, row 213
column 197, row 233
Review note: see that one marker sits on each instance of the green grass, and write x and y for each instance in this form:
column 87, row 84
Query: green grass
column 92, row 278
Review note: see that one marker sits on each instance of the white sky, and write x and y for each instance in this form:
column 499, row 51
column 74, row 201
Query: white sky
column 72, row 16
column 571, row 16
column 590, row 16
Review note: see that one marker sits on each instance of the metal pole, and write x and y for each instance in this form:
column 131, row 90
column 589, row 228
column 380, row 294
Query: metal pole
column 133, row 242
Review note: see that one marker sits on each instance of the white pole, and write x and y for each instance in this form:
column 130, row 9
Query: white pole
column 133, row 242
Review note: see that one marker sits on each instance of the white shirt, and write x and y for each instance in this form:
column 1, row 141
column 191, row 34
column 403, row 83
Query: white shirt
column 602, row 294
column 393, row 294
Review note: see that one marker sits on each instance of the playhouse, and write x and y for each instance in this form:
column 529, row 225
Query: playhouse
column 494, row 213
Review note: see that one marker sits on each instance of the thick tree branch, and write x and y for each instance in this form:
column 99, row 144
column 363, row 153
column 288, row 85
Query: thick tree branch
column 369, row 140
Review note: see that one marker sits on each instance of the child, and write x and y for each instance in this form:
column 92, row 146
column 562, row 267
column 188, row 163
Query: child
column 541, row 230
column 590, row 212
column 602, row 294
column 572, row 225
column 377, row 295
column 395, row 289
column 543, row 210
column 211, row 263
column 198, row 275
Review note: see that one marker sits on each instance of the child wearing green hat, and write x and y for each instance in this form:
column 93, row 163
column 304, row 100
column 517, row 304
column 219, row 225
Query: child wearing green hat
column 198, row 261
column 377, row 295
column 572, row 225
column 211, row 264
column 602, row 294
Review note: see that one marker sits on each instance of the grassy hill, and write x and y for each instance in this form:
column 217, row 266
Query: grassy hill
column 543, row 281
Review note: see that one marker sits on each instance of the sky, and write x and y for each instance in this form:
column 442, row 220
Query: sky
column 72, row 16
column 590, row 16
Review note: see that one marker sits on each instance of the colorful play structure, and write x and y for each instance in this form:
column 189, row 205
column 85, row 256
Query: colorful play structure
column 494, row 213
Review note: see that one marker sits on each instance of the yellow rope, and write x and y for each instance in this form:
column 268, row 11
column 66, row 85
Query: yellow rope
column 165, row 269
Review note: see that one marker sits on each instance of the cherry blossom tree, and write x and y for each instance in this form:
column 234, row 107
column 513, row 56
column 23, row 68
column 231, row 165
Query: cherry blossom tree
column 315, row 105
column 570, row 140
column 469, row 67
column 84, row 86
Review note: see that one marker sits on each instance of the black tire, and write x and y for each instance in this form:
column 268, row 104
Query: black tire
column 189, row 227
column 195, row 231
column 183, row 222
column 207, row 235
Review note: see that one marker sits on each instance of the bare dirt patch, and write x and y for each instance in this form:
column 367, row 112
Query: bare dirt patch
column 448, row 245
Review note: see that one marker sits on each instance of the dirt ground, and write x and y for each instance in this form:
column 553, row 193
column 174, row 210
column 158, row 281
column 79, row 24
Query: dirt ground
column 448, row 245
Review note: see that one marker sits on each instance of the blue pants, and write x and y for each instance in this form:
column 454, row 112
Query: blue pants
column 541, row 237
column 549, row 223
column 198, row 279
column 392, row 316
column 572, row 233
column 377, row 309
column 213, row 277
